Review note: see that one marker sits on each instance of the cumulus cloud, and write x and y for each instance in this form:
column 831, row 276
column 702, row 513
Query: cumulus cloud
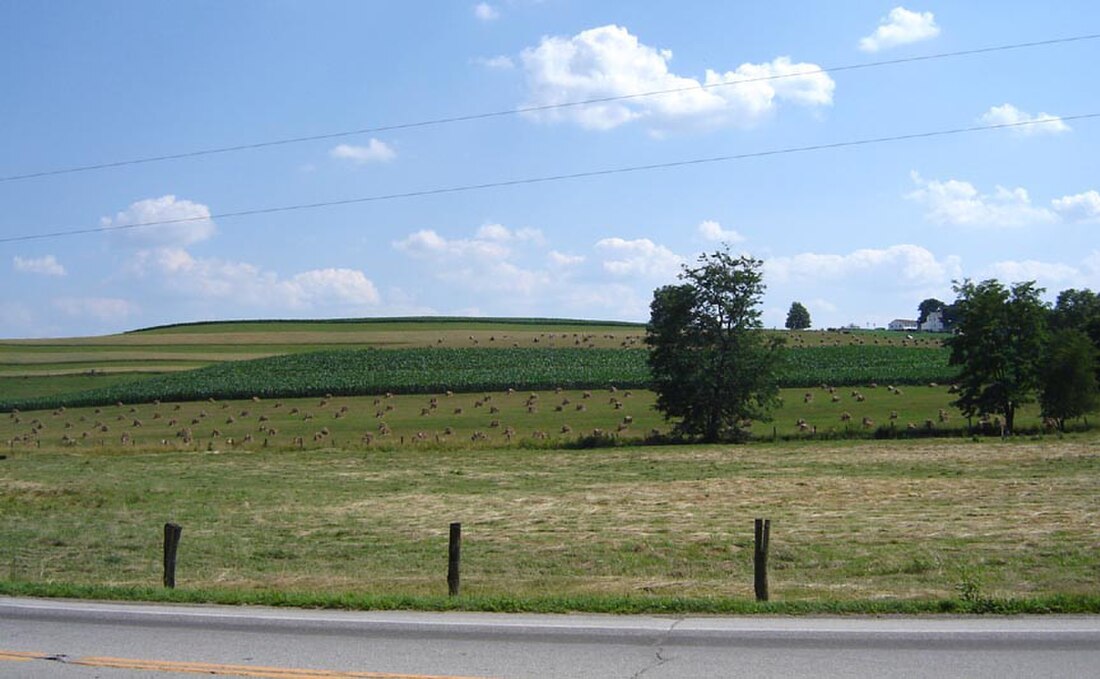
column 609, row 61
column 247, row 285
column 375, row 151
column 45, row 266
column 324, row 287
column 1081, row 207
column 427, row 243
column 502, row 234
column 1054, row 276
column 1052, row 273
column 713, row 231
column 561, row 259
column 960, row 203
column 486, row 12
column 105, row 309
column 1026, row 125
column 485, row 262
column 171, row 222
column 498, row 63
column 900, row 27
column 897, row 265
column 639, row 257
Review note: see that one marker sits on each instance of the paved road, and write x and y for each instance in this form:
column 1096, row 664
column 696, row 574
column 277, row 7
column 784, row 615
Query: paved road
column 51, row 638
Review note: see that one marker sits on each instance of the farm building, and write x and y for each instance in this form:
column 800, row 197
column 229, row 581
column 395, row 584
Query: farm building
column 903, row 324
column 933, row 323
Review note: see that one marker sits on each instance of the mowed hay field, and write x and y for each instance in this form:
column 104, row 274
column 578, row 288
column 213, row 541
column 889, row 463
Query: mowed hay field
column 862, row 520
column 485, row 419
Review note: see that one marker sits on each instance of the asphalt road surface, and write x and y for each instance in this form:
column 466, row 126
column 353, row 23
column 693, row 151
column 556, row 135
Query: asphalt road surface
column 53, row 638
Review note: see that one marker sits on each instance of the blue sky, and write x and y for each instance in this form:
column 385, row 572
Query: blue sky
column 859, row 235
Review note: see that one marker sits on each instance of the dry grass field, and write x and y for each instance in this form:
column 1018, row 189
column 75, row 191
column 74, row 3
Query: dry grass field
column 863, row 520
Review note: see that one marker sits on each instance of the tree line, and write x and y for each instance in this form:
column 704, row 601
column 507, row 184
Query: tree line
column 714, row 369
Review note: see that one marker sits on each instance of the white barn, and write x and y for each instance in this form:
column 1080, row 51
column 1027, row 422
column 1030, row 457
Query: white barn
column 903, row 324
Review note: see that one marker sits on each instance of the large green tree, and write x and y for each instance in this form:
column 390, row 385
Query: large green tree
column 1068, row 377
column 998, row 345
column 798, row 318
column 928, row 306
column 712, row 364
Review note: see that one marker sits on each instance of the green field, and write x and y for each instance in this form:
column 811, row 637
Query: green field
column 859, row 521
column 192, row 345
column 297, row 477
column 435, row 370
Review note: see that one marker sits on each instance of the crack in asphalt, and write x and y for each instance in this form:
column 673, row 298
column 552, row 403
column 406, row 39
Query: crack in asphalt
column 659, row 657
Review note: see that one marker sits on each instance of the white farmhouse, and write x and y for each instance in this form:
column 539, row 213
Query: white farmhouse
column 933, row 322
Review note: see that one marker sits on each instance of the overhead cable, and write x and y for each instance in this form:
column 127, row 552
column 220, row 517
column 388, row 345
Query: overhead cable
column 465, row 188
column 432, row 122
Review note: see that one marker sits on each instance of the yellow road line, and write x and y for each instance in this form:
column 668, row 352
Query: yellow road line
column 214, row 669
column 21, row 656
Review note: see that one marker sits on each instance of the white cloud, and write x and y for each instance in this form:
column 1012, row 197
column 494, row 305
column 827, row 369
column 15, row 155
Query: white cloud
column 105, row 309
column 483, row 263
column 1081, row 207
column 502, row 234
column 188, row 222
column 486, row 12
column 1047, row 273
column 561, row 259
column 375, row 151
column 1026, row 125
column 428, row 243
column 960, row 203
column 903, row 265
column 639, row 257
column 46, row 266
column 900, row 27
column 247, row 285
column 713, row 231
column 330, row 287
column 498, row 63
column 609, row 61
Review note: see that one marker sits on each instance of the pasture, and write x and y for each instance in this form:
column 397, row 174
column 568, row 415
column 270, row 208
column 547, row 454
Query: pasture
column 853, row 521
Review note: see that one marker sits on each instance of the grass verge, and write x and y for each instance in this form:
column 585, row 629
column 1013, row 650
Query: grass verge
column 619, row 605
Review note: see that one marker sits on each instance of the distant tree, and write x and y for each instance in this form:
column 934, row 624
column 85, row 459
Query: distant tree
column 928, row 306
column 712, row 365
column 998, row 345
column 1078, row 310
column 798, row 318
column 1068, row 377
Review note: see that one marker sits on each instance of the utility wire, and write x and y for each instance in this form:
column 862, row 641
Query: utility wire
column 465, row 188
column 534, row 109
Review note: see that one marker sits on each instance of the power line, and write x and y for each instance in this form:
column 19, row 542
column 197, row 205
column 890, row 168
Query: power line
column 533, row 109
column 465, row 188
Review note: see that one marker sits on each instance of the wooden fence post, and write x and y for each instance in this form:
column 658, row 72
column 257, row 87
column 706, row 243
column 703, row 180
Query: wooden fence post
column 172, row 534
column 760, row 559
column 454, row 555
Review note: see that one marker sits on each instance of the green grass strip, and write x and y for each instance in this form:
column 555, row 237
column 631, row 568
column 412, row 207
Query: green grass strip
column 623, row 605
